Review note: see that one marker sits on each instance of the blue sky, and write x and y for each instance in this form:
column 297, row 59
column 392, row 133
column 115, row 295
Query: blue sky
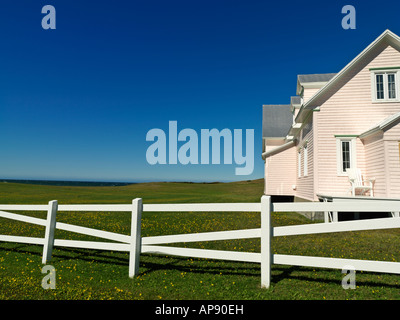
column 76, row 102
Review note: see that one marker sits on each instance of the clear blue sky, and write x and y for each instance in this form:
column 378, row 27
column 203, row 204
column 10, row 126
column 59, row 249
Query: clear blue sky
column 76, row 102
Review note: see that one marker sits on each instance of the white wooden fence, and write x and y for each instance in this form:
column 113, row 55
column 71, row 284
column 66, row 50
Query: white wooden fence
column 125, row 243
column 135, row 244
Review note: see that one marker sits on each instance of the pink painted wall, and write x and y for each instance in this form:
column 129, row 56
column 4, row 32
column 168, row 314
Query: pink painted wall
column 351, row 111
column 280, row 172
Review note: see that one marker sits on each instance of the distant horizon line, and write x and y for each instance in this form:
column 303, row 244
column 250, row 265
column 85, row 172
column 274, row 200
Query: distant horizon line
column 90, row 181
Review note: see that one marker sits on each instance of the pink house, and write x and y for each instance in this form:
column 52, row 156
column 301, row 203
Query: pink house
column 338, row 121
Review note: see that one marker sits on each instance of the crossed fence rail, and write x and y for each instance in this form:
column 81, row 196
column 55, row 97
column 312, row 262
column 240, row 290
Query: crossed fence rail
column 135, row 244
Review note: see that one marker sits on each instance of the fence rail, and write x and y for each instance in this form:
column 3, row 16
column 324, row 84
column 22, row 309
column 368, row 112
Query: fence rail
column 135, row 244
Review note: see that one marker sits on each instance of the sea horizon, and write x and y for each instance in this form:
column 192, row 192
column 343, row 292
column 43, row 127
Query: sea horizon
column 82, row 183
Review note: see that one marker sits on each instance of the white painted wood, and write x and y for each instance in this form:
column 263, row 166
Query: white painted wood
column 193, row 207
column 265, row 241
column 135, row 242
column 350, row 206
column 204, row 236
column 24, row 207
column 358, row 183
column 18, row 239
column 93, row 232
column 96, row 245
column 96, row 207
column 335, row 263
column 204, row 253
column 49, row 232
column 203, row 207
column 20, row 217
column 326, row 217
column 357, row 225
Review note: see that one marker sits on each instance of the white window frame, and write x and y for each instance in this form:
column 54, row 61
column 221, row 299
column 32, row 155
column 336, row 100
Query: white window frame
column 339, row 154
column 305, row 161
column 385, row 73
column 299, row 163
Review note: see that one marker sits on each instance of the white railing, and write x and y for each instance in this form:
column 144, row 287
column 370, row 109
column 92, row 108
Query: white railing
column 126, row 243
column 135, row 244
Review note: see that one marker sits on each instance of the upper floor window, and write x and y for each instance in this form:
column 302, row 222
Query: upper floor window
column 385, row 86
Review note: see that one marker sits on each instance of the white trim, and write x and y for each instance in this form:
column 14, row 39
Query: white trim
column 353, row 154
column 385, row 73
column 380, row 126
column 266, row 154
column 313, row 85
column 299, row 163
column 305, row 160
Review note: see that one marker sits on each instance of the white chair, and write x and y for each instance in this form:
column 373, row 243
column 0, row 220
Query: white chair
column 358, row 183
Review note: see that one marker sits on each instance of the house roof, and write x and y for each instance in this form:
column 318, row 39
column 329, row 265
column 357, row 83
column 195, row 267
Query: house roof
column 320, row 77
column 385, row 123
column 277, row 120
column 295, row 100
column 316, row 80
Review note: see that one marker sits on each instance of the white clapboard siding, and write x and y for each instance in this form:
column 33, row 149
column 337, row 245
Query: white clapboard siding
column 204, row 253
column 204, row 236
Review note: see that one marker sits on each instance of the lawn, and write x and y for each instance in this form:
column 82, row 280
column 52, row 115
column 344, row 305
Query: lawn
column 94, row 274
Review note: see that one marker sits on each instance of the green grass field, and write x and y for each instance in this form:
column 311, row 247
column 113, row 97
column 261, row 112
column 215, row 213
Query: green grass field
column 93, row 274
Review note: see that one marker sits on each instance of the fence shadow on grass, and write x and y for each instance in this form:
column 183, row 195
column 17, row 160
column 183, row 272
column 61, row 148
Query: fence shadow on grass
column 154, row 263
column 332, row 276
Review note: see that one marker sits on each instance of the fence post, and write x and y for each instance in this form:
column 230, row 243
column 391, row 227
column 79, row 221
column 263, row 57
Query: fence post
column 265, row 241
column 136, row 240
column 49, row 232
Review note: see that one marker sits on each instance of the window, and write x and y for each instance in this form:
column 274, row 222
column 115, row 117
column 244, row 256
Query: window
column 305, row 164
column 386, row 87
column 391, row 85
column 299, row 164
column 346, row 154
column 379, row 86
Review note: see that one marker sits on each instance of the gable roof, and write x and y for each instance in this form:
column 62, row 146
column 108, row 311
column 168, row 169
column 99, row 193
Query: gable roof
column 316, row 80
column 333, row 84
column 277, row 120
column 319, row 77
